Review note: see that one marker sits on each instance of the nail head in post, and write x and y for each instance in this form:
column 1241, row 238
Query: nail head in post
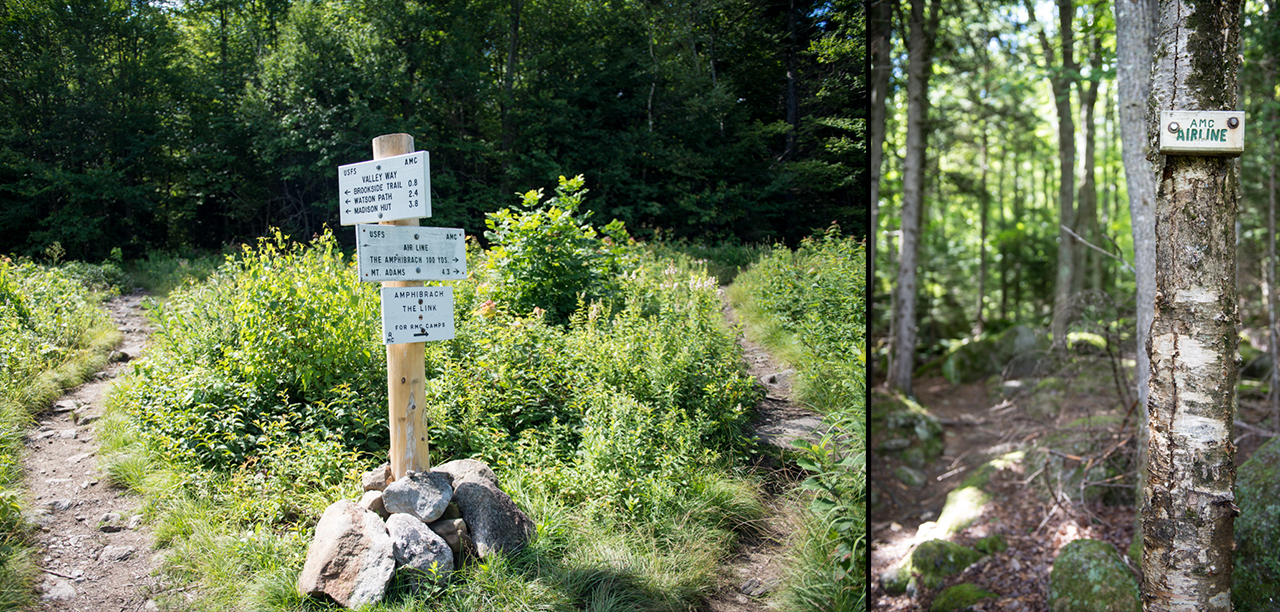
column 1174, row 127
column 1233, row 123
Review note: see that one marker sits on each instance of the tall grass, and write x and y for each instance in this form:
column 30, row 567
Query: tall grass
column 809, row 306
column 54, row 333
column 617, row 430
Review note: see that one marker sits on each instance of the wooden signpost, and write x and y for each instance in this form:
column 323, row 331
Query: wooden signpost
column 394, row 190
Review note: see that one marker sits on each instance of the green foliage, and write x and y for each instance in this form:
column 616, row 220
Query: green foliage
column 548, row 257
column 53, row 333
column 810, row 305
column 278, row 341
column 616, row 431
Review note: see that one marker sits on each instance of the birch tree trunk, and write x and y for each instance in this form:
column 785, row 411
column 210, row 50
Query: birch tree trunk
column 1188, row 510
column 920, row 60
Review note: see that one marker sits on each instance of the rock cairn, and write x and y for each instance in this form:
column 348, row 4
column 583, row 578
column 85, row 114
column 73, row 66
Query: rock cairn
column 426, row 523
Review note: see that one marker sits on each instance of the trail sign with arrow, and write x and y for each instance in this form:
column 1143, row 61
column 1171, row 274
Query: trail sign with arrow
column 406, row 252
column 386, row 189
column 417, row 314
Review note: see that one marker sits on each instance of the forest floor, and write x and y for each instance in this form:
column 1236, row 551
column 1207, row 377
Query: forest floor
column 758, row 562
column 91, row 544
column 980, row 424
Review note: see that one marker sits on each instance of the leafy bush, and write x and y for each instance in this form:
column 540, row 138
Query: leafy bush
column 53, row 333
column 262, row 399
column 280, row 340
column 549, row 257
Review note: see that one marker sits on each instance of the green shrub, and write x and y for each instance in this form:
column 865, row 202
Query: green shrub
column 549, row 257
column 616, row 429
column 809, row 306
column 53, row 334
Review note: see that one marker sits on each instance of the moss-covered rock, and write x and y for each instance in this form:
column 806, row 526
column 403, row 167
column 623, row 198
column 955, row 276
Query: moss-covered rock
column 991, row 544
column 960, row 597
column 1256, row 577
column 910, row 476
column 927, row 566
column 934, row 560
column 1088, row 576
column 911, row 434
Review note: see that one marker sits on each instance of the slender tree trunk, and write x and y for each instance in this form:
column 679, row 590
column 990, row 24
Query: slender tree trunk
column 1087, row 210
column 1273, row 340
column 1135, row 35
column 879, row 30
column 508, row 86
column 1188, row 511
column 920, row 58
column 982, row 232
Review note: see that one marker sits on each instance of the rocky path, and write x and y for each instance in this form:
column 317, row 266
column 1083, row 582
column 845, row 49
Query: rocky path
column 758, row 563
column 91, row 544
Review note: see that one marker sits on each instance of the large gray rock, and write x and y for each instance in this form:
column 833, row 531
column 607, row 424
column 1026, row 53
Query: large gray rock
column 423, row 495
column 467, row 469
column 496, row 524
column 350, row 558
column 416, row 546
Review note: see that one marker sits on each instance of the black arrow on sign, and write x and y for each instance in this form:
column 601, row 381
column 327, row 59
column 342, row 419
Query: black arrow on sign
column 423, row 333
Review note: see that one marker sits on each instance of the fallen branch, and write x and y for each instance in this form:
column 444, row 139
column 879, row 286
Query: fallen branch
column 1099, row 249
column 1255, row 429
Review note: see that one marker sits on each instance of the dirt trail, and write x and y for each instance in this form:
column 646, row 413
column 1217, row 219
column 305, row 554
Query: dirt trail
column 758, row 563
column 94, row 551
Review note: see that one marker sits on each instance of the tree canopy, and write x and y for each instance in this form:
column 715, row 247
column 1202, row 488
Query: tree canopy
column 150, row 124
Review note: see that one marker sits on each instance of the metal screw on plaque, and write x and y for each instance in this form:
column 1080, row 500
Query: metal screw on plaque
column 1233, row 123
column 1173, row 127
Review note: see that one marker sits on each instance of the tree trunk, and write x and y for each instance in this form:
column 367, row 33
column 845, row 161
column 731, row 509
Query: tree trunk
column 1188, row 510
column 1135, row 34
column 920, row 58
column 1061, row 83
column 982, row 232
column 1273, row 342
column 1087, row 209
column 880, row 28
column 508, row 85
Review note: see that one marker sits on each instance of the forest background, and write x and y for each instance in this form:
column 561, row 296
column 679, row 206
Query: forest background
column 145, row 124
column 989, row 226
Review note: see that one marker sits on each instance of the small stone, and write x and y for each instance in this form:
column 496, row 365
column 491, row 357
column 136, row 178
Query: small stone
column 64, row 406
column 452, row 530
column 378, row 478
column 117, row 553
column 60, row 505
column 134, row 522
column 372, row 500
column 110, row 523
column 79, row 458
column 45, row 434
column 67, row 434
column 85, row 419
column 57, row 590
column 422, row 495
column 755, row 587
column 150, row 606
